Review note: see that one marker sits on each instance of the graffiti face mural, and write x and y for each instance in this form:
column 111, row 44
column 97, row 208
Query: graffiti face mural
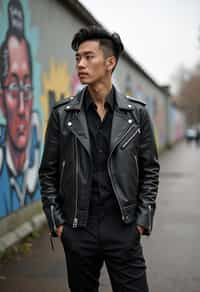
column 20, row 134
column 17, row 105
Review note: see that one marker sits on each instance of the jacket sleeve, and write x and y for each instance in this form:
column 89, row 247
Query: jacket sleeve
column 49, row 175
column 149, row 175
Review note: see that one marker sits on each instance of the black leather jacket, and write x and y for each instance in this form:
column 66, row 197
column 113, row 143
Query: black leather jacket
column 65, row 170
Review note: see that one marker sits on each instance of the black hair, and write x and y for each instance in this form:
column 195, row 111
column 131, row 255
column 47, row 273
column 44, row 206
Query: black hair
column 110, row 42
column 16, row 17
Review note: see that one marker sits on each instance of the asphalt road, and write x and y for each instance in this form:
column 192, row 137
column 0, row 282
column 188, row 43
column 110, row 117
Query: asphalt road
column 172, row 252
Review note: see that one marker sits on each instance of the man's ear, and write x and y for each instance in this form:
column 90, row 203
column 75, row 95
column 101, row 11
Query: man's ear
column 111, row 63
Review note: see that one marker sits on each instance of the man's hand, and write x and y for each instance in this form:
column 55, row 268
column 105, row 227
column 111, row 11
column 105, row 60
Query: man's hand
column 140, row 229
column 59, row 230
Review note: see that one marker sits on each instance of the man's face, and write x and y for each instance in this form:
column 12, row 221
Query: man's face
column 18, row 96
column 91, row 63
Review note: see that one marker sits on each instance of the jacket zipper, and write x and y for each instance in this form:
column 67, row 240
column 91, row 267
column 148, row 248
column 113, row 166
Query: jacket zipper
column 150, row 220
column 54, row 226
column 136, row 163
column 109, row 171
column 62, row 172
column 132, row 137
column 75, row 221
column 122, row 213
column 52, row 218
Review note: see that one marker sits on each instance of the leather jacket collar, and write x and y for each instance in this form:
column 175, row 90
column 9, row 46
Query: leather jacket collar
column 77, row 102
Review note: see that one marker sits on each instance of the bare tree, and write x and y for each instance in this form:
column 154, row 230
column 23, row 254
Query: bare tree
column 188, row 97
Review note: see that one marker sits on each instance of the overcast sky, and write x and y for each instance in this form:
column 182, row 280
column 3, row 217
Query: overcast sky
column 161, row 35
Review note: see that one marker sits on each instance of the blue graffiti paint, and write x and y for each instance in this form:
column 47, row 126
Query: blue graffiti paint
column 18, row 188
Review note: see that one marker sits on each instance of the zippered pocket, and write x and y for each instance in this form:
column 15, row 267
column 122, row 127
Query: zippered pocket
column 52, row 218
column 136, row 164
column 124, row 145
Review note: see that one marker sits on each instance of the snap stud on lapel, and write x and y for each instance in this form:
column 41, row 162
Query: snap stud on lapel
column 69, row 124
column 130, row 121
column 129, row 105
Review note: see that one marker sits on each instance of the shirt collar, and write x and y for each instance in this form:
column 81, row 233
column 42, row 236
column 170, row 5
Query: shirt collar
column 109, row 100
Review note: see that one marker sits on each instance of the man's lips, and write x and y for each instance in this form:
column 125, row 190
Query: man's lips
column 21, row 129
column 82, row 74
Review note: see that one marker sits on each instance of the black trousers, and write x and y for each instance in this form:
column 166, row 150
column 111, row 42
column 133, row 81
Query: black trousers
column 105, row 239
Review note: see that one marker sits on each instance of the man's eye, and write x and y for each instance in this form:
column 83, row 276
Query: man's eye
column 89, row 57
column 13, row 86
column 27, row 87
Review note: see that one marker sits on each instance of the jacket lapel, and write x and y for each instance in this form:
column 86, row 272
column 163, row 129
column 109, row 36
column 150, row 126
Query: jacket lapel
column 119, row 126
column 78, row 122
column 121, row 119
column 80, row 129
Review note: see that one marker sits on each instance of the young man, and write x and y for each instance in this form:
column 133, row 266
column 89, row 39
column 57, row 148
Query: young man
column 99, row 172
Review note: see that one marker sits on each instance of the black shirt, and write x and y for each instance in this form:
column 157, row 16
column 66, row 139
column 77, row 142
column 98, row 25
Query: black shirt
column 100, row 131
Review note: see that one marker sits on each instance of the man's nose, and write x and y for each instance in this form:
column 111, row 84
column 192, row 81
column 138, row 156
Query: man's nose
column 21, row 103
column 81, row 63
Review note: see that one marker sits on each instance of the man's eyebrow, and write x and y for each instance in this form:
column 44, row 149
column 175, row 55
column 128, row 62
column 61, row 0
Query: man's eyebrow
column 84, row 53
column 14, row 75
column 26, row 77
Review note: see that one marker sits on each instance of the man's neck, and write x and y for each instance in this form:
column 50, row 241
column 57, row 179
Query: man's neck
column 99, row 92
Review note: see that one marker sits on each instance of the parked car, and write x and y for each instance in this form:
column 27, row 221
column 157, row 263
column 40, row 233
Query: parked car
column 191, row 134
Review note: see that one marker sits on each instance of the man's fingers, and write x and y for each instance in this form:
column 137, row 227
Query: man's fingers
column 140, row 229
column 59, row 230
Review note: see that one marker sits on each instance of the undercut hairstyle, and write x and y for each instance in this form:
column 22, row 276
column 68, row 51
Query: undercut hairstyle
column 110, row 43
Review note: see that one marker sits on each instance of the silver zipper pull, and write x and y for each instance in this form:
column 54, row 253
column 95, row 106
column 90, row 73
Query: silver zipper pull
column 52, row 245
column 52, row 218
column 75, row 222
column 138, row 131
column 150, row 219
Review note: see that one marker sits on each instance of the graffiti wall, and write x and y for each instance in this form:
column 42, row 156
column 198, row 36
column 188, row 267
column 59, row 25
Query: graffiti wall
column 20, row 115
column 56, row 86
column 177, row 125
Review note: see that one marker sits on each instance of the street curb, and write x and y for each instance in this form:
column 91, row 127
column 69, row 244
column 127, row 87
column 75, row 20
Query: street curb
column 22, row 231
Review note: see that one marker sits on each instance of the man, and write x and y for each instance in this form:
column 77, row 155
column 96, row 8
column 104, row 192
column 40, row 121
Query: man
column 19, row 140
column 99, row 172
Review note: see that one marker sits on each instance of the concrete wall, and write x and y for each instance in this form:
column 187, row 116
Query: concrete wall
column 45, row 28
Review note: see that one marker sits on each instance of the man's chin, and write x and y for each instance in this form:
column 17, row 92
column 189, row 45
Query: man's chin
column 21, row 144
column 84, row 82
